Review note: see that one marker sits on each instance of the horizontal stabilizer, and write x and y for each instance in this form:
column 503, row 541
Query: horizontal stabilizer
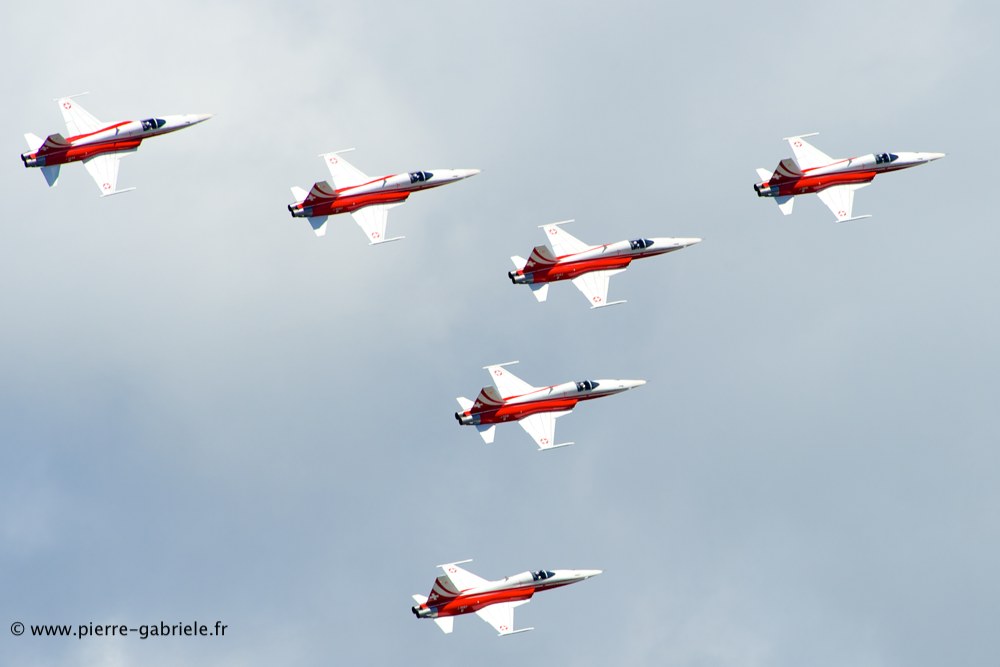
column 318, row 224
column 487, row 431
column 34, row 141
column 764, row 174
column 785, row 204
column 51, row 174
column 299, row 194
column 446, row 623
column 464, row 403
column 519, row 261
column 540, row 290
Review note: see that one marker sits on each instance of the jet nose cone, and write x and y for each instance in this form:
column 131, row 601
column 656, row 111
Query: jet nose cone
column 195, row 118
column 465, row 173
column 632, row 384
column 934, row 156
column 689, row 242
column 587, row 574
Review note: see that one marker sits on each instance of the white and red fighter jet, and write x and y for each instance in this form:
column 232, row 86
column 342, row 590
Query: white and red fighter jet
column 459, row 591
column 589, row 267
column 97, row 144
column 534, row 408
column 367, row 199
column 834, row 180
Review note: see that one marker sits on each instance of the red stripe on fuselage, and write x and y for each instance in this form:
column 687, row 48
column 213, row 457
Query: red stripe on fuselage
column 465, row 604
column 77, row 153
column 806, row 184
column 103, row 129
column 350, row 203
column 508, row 412
column 570, row 270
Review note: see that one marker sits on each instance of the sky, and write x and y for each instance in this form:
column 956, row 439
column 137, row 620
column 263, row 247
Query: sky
column 207, row 413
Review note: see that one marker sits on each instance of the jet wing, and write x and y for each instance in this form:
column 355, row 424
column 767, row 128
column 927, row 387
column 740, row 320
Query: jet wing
column 343, row 173
column 507, row 383
column 594, row 286
column 840, row 200
column 78, row 120
column 562, row 241
column 373, row 220
column 806, row 155
column 104, row 170
column 541, row 426
column 501, row 617
column 460, row 579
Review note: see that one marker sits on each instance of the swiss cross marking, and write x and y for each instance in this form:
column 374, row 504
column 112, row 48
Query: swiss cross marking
column 597, row 299
column 375, row 235
column 498, row 372
column 66, row 105
column 106, row 186
column 798, row 144
column 543, row 441
column 553, row 231
column 842, row 214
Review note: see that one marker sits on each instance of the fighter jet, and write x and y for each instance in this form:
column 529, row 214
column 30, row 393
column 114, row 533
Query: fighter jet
column 589, row 267
column 834, row 180
column 534, row 408
column 97, row 144
column 367, row 199
column 458, row 591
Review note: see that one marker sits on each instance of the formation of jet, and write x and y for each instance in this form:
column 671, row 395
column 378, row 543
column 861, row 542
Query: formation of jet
column 459, row 591
column 367, row 199
column 589, row 267
column 97, row 144
column 534, row 408
column 834, row 180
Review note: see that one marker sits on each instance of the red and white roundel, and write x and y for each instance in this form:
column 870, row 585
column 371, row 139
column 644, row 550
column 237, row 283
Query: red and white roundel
column 841, row 214
column 332, row 159
column 543, row 441
column 106, row 186
column 553, row 231
column 497, row 372
column 375, row 235
column 452, row 570
column 66, row 105
column 798, row 144
column 596, row 299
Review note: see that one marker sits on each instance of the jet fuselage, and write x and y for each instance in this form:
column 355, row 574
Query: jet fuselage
column 609, row 256
column 523, row 586
column 489, row 408
column 391, row 189
column 118, row 137
column 786, row 182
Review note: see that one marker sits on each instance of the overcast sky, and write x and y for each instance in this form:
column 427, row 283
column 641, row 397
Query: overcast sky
column 207, row 413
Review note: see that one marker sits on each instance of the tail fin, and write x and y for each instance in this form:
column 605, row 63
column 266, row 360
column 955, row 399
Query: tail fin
column 320, row 191
column 541, row 254
column 52, row 142
column 787, row 169
column 51, row 174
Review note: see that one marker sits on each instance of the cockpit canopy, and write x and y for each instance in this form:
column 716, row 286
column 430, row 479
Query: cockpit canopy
column 586, row 385
column 420, row 176
column 638, row 244
column 885, row 158
column 153, row 124
column 542, row 574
